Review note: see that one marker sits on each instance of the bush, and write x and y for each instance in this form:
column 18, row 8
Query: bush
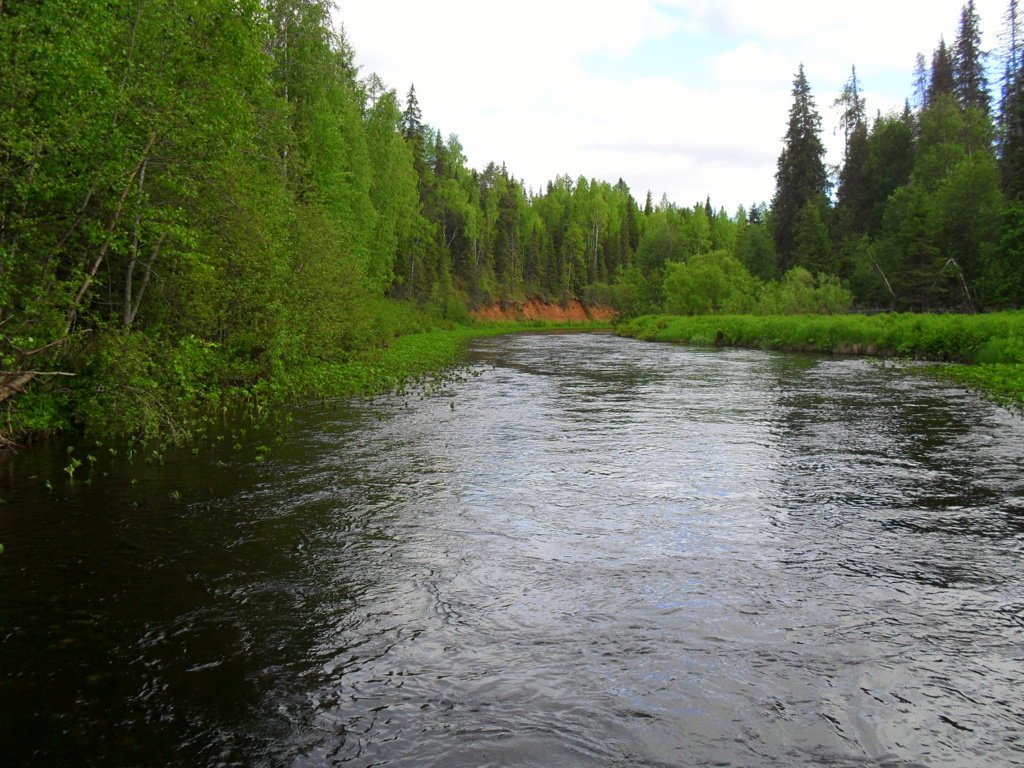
column 799, row 293
column 709, row 283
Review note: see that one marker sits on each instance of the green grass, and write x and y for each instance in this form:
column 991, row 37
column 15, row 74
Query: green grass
column 991, row 338
column 988, row 350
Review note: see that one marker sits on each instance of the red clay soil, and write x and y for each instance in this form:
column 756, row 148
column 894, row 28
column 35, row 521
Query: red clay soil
column 534, row 309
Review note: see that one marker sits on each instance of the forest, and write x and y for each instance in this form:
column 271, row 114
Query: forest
column 202, row 199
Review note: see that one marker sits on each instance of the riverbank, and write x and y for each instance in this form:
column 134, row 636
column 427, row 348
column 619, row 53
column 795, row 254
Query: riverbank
column 138, row 387
column 987, row 350
column 533, row 310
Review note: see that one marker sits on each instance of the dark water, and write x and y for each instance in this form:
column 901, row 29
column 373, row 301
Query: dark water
column 596, row 552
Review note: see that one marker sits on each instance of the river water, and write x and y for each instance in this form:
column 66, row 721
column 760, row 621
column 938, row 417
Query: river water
column 588, row 551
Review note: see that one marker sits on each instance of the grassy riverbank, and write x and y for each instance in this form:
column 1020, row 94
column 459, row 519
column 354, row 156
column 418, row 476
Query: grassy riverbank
column 988, row 349
column 139, row 386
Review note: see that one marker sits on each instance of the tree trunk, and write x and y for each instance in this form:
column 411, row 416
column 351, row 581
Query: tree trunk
column 131, row 308
column 105, row 248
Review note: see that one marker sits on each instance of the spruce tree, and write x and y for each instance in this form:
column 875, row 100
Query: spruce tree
column 970, row 83
column 812, row 248
column 412, row 117
column 1014, row 36
column 852, row 192
column 415, row 133
column 801, row 177
column 853, row 195
column 1011, row 108
column 942, row 79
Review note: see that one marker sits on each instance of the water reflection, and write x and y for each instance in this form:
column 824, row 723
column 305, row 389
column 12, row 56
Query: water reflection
column 596, row 552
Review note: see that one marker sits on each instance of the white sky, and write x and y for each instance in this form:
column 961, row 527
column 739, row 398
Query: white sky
column 684, row 97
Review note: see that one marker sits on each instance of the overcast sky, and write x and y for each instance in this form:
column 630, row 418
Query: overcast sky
column 684, row 97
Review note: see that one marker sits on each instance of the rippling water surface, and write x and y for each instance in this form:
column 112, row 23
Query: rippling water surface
column 592, row 552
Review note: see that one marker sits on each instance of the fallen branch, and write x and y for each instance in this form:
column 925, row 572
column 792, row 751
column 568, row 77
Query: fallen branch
column 37, row 373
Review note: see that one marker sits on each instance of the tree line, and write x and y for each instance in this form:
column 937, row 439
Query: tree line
column 213, row 187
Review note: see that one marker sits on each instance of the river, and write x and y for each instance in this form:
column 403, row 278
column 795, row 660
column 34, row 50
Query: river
column 584, row 551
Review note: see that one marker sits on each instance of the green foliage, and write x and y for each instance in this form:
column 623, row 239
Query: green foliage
column 888, row 166
column 709, row 283
column 144, row 386
column 1002, row 282
column 800, row 292
column 812, row 248
column 600, row 295
column 755, row 248
column 717, row 283
column 1011, row 128
column 43, row 409
column 637, row 292
column 971, row 85
column 1007, row 349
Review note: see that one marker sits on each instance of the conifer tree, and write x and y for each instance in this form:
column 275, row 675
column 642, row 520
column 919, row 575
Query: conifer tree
column 942, row 80
column 970, row 83
column 1013, row 36
column 853, row 195
column 414, row 132
column 1011, row 108
column 412, row 117
column 801, row 177
column 754, row 246
column 812, row 249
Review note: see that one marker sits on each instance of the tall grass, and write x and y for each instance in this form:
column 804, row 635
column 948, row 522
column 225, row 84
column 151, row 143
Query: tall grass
column 990, row 338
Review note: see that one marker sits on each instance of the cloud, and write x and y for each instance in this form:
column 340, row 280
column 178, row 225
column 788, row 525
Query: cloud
column 752, row 63
column 874, row 34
